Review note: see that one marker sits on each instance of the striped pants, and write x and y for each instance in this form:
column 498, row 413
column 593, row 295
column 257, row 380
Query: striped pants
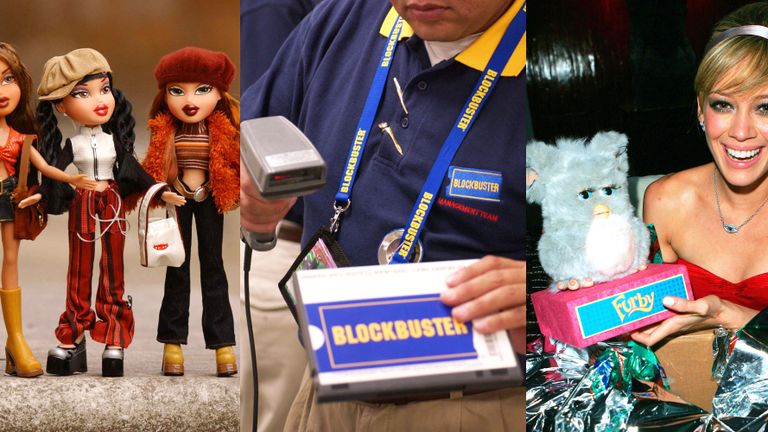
column 115, row 323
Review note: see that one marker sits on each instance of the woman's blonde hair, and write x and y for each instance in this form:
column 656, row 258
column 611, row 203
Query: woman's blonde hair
column 736, row 64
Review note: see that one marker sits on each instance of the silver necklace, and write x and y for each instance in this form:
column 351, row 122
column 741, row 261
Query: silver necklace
column 731, row 228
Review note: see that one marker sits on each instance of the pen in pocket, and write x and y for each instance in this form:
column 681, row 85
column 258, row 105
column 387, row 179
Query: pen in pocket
column 388, row 130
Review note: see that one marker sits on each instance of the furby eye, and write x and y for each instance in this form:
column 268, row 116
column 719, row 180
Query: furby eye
column 608, row 190
column 204, row 89
column 175, row 91
column 585, row 194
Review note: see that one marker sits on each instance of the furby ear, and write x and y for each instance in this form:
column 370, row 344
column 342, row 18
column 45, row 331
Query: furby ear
column 538, row 156
column 613, row 145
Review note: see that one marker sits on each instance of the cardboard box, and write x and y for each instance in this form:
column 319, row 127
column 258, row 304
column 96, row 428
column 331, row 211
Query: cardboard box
column 687, row 361
column 589, row 315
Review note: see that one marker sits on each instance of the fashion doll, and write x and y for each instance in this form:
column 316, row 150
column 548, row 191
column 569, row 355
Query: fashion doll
column 16, row 122
column 195, row 146
column 79, row 85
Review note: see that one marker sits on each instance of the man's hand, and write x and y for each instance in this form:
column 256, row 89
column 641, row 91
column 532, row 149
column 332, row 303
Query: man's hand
column 257, row 214
column 491, row 293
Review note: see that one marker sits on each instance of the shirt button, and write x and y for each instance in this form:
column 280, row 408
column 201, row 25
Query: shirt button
column 422, row 85
column 404, row 122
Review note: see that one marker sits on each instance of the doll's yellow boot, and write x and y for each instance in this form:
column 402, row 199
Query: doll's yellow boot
column 225, row 361
column 173, row 360
column 19, row 358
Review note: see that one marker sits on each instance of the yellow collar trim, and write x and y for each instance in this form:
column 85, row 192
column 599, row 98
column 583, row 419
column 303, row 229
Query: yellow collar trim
column 389, row 22
column 479, row 52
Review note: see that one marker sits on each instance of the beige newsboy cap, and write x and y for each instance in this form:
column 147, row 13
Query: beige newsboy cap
column 62, row 73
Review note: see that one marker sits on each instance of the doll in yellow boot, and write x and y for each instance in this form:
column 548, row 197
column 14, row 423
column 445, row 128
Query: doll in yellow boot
column 16, row 123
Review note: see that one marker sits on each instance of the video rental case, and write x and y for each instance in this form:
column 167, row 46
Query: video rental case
column 379, row 332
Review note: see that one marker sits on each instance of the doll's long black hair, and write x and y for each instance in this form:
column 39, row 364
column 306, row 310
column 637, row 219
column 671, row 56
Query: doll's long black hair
column 120, row 125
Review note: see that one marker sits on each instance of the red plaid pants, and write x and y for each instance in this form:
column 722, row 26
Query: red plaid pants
column 115, row 323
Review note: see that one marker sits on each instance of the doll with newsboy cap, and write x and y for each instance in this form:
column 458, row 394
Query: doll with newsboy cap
column 79, row 86
column 17, row 130
column 195, row 146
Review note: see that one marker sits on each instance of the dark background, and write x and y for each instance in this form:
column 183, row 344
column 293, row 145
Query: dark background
column 625, row 65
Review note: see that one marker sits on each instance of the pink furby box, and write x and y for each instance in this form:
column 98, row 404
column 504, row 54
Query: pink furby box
column 589, row 315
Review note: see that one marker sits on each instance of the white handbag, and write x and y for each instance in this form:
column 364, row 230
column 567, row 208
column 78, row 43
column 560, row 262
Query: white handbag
column 160, row 242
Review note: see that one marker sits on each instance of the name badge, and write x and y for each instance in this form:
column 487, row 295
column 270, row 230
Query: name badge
column 391, row 242
column 474, row 184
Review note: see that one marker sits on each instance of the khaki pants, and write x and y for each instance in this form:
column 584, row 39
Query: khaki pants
column 280, row 358
column 494, row 411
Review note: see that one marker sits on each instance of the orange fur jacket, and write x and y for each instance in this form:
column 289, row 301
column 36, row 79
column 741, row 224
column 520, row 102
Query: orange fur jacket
column 224, row 167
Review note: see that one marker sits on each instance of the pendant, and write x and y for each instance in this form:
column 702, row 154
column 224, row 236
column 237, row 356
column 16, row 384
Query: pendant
column 391, row 243
column 730, row 228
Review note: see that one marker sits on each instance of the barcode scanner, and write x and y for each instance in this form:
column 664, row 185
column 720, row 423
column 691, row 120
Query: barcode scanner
column 282, row 162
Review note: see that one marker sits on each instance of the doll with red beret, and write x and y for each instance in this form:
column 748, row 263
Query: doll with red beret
column 195, row 147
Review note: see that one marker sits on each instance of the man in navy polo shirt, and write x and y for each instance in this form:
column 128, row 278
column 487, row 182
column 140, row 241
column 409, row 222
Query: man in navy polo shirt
column 320, row 80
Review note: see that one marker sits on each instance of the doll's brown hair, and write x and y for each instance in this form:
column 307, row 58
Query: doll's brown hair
column 22, row 118
column 227, row 105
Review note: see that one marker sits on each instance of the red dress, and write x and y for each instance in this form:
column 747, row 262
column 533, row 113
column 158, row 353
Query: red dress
column 751, row 292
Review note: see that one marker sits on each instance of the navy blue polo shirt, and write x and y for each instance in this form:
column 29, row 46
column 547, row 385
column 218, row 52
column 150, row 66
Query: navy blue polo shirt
column 320, row 79
column 264, row 26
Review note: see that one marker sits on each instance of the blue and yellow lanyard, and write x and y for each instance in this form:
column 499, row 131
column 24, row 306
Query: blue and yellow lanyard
column 467, row 116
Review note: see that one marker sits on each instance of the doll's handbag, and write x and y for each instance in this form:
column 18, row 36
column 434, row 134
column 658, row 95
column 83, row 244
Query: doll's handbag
column 160, row 242
column 28, row 222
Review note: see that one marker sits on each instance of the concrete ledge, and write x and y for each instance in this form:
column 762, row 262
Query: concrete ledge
column 93, row 403
column 143, row 400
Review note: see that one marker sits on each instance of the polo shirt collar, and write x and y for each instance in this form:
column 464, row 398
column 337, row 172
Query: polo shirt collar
column 479, row 52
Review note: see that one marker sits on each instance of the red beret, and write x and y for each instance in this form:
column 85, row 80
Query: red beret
column 192, row 64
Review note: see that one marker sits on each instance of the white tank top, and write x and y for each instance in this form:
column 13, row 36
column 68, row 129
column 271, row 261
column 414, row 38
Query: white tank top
column 94, row 153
